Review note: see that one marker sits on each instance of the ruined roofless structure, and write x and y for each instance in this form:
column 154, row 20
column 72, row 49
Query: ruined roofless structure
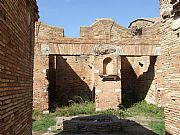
column 108, row 63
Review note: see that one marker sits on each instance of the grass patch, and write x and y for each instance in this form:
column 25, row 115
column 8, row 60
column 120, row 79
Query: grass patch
column 43, row 122
column 86, row 108
column 150, row 110
column 158, row 127
column 145, row 109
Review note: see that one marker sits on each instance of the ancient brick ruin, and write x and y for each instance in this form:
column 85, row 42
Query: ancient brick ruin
column 112, row 65
column 17, row 20
column 108, row 64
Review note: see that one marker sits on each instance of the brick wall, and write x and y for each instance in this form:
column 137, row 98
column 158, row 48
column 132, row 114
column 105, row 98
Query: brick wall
column 40, row 83
column 104, row 34
column 170, row 41
column 74, row 78
column 16, row 63
column 138, row 79
column 107, row 81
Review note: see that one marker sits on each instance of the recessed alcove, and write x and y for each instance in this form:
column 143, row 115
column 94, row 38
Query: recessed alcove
column 108, row 66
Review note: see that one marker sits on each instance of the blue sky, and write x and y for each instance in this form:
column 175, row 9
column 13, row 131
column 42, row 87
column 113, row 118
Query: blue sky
column 71, row 14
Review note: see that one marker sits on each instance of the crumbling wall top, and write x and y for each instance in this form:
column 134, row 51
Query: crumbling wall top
column 105, row 28
column 45, row 31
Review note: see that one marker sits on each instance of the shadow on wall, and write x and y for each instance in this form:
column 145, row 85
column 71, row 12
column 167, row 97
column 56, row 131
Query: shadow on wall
column 135, row 89
column 103, row 125
column 65, row 85
column 51, row 76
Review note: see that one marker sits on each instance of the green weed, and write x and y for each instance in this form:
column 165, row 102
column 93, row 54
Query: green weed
column 143, row 108
column 43, row 122
column 158, row 127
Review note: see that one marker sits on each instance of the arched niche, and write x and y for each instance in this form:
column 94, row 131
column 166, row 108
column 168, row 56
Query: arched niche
column 108, row 66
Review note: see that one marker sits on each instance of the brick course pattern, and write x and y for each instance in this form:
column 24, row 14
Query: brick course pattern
column 17, row 20
column 170, row 41
column 67, row 67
